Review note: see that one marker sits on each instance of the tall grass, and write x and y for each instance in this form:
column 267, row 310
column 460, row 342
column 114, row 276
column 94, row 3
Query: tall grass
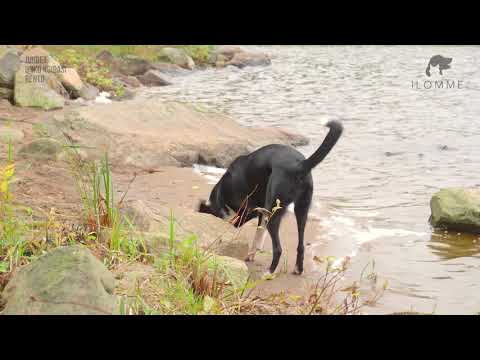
column 12, row 229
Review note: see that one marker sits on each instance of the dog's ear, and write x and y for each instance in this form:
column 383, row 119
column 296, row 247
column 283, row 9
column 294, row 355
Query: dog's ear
column 204, row 208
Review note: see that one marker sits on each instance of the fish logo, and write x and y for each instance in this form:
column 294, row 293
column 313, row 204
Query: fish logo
column 443, row 63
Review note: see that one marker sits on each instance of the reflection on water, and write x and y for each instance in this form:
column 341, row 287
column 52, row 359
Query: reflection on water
column 400, row 145
column 448, row 245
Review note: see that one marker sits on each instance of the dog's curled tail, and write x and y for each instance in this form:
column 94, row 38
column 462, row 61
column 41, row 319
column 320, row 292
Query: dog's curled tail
column 336, row 129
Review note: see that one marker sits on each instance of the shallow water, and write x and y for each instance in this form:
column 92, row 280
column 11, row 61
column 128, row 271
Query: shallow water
column 401, row 144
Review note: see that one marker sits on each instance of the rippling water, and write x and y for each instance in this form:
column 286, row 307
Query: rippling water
column 400, row 145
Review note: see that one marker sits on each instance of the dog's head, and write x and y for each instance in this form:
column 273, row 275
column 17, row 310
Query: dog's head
column 205, row 208
column 209, row 208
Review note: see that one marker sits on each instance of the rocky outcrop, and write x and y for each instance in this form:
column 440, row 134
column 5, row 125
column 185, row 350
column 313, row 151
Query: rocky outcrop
column 65, row 281
column 456, row 209
column 176, row 56
column 148, row 133
column 154, row 78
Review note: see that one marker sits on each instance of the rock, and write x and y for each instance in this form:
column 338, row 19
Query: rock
column 176, row 56
column 130, row 81
column 7, row 133
column 127, row 95
column 233, row 270
column 242, row 59
column 151, row 133
column 133, row 65
column 41, row 149
column 66, row 281
column 226, row 52
column 109, row 60
column 213, row 233
column 169, row 69
column 456, row 209
column 9, row 64
column 71, row 81
column 88, row 92
column 154, row 78
column 37, row 85
column 6, row 93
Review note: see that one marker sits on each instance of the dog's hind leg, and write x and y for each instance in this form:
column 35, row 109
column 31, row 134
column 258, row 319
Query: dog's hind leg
column 273, row 227
column 302, row 206
column 259, row 240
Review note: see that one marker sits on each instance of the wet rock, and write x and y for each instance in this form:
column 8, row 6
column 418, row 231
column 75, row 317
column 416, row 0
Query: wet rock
column 41, row 149
column 130, row 81
column 169, row 69
column 176, row 56
column 243, row 59
column 66, row 281
column 88, row 92
column 456, row 209
column 154, row 78
column 127, row 94
column 6, row 133
column 9, row 65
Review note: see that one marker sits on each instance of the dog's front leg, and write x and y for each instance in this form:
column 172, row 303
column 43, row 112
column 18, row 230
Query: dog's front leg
column 258, row 240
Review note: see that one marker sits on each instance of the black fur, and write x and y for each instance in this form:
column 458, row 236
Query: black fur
column 267, row 174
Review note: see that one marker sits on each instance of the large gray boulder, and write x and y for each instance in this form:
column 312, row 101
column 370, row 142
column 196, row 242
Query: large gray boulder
column 66, row 281
column 9, row 64
column 37, row 85
column 456, row 209
column 176, row 56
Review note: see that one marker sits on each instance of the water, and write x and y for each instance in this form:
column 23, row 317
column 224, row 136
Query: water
column 400, row 145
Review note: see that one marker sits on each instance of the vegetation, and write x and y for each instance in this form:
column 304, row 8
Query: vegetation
column 186, row 279
column 90, row 69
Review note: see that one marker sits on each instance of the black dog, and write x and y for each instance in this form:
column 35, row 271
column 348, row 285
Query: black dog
column 258, row 180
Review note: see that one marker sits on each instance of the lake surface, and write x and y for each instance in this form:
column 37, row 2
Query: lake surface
column 404, row 139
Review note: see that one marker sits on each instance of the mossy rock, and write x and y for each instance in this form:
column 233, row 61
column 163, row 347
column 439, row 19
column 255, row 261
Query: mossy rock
column 456, row 209
column 66, row 281
column 42, row 149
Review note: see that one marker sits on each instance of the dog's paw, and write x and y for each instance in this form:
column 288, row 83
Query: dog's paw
column 249, row 258
column 297, row 271
column 268, row 276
